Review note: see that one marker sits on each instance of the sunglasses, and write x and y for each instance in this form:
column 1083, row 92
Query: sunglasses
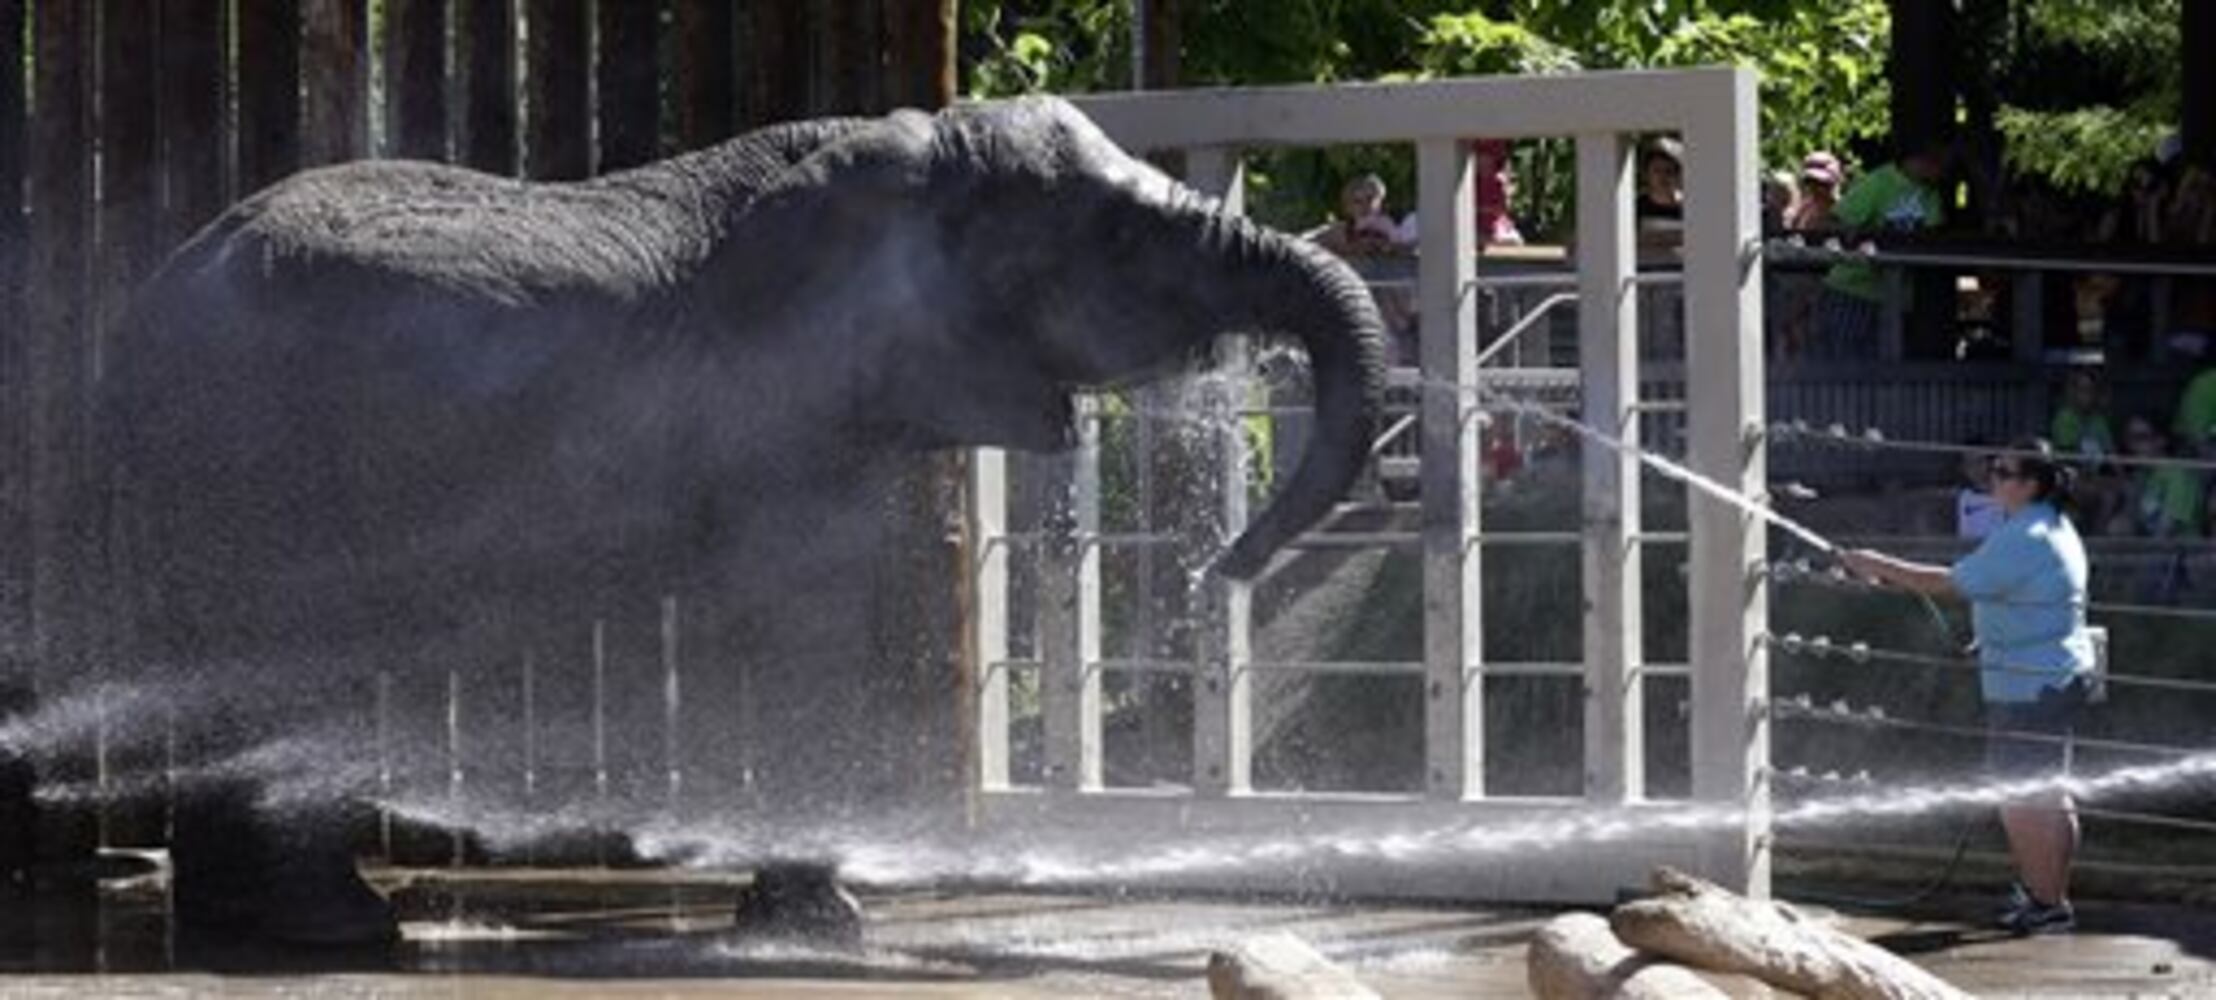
column 1999, row 471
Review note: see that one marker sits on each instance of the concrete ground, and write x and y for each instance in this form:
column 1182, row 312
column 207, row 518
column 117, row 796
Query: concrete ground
column 571, row 934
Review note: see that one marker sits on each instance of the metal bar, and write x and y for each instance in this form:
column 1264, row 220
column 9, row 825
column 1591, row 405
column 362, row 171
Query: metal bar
column 1788, row 708
column 1608, row 328
column 1454, row 745
column 1529, row 320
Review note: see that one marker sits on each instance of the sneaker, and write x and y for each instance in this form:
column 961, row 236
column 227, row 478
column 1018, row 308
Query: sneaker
column 2041, row 919
column 2019, row 900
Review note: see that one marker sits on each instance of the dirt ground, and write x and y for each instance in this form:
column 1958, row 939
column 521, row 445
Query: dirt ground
column 573, row 934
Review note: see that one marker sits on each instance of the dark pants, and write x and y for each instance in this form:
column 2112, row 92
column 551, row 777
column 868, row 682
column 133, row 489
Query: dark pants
column 2029, row 740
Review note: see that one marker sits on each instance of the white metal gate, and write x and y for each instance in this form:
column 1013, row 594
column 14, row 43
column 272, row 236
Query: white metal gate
column 1714, row 111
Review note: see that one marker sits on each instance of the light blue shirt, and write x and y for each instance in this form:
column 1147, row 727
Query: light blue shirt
column 2026, row 585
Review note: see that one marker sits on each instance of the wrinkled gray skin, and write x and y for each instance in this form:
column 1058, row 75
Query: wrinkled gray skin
column 377, row 388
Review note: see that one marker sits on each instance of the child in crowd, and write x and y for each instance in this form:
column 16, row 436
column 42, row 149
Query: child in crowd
column 1976, row 513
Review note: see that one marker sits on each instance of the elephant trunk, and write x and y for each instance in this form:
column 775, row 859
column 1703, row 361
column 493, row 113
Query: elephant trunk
column 1304, row 292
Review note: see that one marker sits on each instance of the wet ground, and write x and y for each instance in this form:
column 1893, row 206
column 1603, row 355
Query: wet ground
column 511, row 933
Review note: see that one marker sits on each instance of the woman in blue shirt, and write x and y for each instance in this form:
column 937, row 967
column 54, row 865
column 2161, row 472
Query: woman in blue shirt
column 2026, row 587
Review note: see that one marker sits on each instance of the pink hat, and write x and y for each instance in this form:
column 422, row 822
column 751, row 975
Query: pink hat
column 1821, row 167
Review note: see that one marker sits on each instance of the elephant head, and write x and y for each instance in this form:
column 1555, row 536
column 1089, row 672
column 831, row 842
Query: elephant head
column 998, row 258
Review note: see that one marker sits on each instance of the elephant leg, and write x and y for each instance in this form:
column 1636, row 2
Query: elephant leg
column 284, row 874
column 18, row 812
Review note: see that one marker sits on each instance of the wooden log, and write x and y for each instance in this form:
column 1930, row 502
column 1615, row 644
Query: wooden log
column 628, row 73
column 415, row 78
column 1706, row 926
column 1279, row 967
column 707, row 85
column 557, row 69
column 489, row 85
column 334, row 53
column 1576, row 957
column 193, row 139
column 269, row 92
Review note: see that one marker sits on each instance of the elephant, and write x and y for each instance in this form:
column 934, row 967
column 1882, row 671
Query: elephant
column 373, row 392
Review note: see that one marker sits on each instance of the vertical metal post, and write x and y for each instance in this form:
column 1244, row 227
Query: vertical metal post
column 1454, row 686
column 1729, row 594
column 1607, row 329
column 988, row 618
column 1069, row 612
column 1223, row 696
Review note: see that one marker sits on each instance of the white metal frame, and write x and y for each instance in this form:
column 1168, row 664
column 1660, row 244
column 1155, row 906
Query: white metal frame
column 1713, row 110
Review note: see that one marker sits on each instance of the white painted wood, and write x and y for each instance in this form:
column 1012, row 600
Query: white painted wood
column 1454, row 690
column 1223, row 691
column 987, row 641
column 1607, row 325
column 1729, row 596
column 1500, row 106
column 1069, row 613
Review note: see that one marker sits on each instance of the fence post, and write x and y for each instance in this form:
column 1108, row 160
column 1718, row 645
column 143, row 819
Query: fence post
column 334, row 48
column 1223, row 690
column 706, row 87
column 1729, row 594
column 1454, row 646
column 489, row 86
column 628, row 73
column 986, row 532
column 1069, row 611
column 557, row 69
column 192, row 109
column 415, row 79
column 269, row 92
column 1608, row 354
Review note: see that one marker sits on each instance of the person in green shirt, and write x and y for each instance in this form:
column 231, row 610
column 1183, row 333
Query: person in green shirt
column 1900, row 197
column 2196, row 420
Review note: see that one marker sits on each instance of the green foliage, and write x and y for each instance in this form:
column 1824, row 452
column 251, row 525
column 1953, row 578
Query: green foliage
column 2083, row 150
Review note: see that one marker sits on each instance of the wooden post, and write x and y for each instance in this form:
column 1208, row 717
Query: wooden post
column 1223, row 687
column 415, row 78
column 1161, row 41
column 269, row 92
column 776, row 53
column 919, row 53
column 192, row 110
column 489, row 85
column 557, row 70
column 629, row 74
column 334, row 57
column 706, row 82
column 1454, row 645
column 1608, row 354
column 1729, row 595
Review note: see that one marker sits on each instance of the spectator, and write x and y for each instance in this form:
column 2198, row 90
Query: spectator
column 1496, row 187
column 1900, row 197
column 2196, row 415
column 2160, row 501
column 1778, row 200
column 1976, row 513
column 1819, row 193
column 2080, row 426
column 1361, row 227
column 1660, row 209
column 2189, row 220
